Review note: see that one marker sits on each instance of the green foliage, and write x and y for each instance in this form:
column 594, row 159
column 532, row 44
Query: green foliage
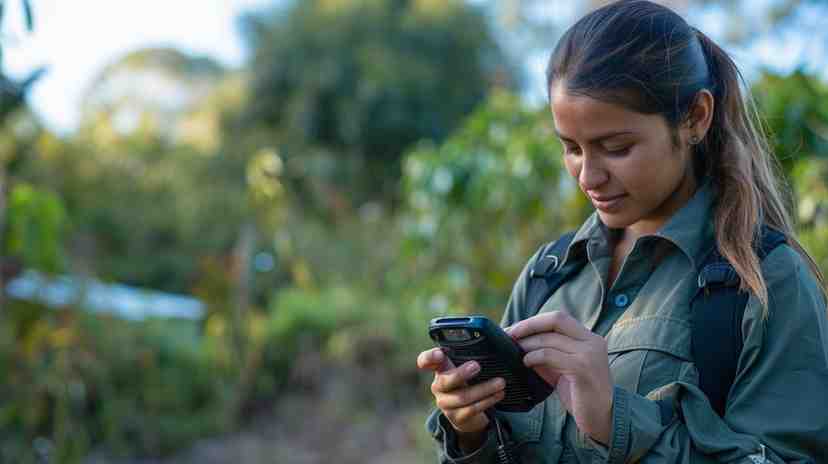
column 295, row 313
column 37, row 222
column 811, row 190
column 301, row 322
column 363, row 80
column 77, row 380
column 144, row 211
column 492, row 193
column 796, row 110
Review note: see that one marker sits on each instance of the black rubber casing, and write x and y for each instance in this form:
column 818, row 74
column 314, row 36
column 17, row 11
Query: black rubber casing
column 498, row 355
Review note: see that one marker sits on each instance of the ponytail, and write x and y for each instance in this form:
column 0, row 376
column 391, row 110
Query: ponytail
column 747, row 176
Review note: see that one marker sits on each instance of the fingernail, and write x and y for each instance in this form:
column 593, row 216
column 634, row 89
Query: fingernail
column 472, row 367
column 438, row 355
column 500, row 384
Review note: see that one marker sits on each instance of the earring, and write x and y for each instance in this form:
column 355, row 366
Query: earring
column 694, row 140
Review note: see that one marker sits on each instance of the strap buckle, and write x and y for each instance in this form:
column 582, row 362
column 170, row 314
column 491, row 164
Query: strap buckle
column 720, row 273
column 545, row 266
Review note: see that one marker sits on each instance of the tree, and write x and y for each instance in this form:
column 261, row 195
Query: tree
column 142, row 179
column 795, row 108
column 12, row 98
column 360, row 81
column 179, row 84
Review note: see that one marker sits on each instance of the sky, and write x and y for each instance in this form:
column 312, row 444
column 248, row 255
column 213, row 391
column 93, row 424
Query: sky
column 76, row 39
column 780, row 50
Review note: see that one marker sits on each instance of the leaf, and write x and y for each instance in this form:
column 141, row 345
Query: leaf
column 27, row 11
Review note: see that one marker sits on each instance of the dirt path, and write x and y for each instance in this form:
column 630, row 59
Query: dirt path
column 309, row 431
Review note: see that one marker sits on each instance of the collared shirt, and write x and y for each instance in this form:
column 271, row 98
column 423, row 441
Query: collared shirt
column 777, row 409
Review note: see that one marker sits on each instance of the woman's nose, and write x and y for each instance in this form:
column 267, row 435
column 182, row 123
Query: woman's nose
column 592, row 175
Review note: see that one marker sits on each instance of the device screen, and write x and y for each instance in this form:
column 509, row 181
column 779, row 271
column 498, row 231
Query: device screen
column 456, row 335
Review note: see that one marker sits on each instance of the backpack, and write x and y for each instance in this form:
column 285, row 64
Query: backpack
column 717, row 308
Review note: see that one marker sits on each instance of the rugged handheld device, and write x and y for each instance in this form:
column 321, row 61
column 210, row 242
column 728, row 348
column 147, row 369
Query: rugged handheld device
column 477, row 338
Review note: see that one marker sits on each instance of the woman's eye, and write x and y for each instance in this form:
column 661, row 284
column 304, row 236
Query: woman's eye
column 619, row 151
column 572, row 150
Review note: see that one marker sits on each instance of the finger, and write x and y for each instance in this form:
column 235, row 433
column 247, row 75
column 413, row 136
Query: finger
column 463, row 414
column 470, row 395
column 549, row 357
column 554, row 340
column 434, row 360
column 553, row 321
column 454, row 378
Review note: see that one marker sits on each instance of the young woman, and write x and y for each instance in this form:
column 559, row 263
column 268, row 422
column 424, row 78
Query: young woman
column 660, row 137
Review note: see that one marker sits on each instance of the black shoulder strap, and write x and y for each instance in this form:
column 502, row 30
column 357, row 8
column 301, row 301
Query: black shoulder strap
column 717, row 311
column 546, row 276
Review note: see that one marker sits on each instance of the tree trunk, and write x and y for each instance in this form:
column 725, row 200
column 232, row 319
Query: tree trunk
column 243, row 256
column 247, row 356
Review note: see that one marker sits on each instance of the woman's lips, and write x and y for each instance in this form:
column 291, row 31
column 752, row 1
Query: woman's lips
column 608, row 203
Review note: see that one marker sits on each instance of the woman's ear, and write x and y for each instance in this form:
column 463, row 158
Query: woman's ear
column 700, row 115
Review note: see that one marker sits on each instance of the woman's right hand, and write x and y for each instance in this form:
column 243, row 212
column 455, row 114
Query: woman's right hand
column 463, row 405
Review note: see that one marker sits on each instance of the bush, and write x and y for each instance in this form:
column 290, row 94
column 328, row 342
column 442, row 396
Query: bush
column 78, row 380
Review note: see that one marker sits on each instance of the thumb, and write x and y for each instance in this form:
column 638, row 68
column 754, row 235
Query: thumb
column 434, row 360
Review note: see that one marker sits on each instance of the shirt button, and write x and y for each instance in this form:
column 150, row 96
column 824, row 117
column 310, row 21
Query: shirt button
column 621, row 300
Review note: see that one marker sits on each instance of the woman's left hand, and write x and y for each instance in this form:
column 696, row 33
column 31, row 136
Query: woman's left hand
column 575, row 361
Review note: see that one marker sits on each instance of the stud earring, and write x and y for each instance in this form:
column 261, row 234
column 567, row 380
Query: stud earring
column 694, row 140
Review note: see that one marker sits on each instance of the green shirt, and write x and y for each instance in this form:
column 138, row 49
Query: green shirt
column 776, row 408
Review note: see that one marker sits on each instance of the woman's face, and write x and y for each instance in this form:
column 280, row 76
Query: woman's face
column 624, row 161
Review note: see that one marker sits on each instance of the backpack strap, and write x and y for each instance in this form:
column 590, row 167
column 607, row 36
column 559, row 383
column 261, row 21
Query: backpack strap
column 547, row 275
column 717, row 311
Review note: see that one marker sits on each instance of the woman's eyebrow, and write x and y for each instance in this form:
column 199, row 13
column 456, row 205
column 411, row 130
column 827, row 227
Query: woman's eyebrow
column 597, row 139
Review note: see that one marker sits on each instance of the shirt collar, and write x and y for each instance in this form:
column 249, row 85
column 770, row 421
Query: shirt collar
column 690, row 228
column 592, row 232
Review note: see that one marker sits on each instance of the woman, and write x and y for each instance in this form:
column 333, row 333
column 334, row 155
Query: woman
column 658, row 136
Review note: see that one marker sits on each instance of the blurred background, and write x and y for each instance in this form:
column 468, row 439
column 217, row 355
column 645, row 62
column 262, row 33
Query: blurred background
column 224, row 225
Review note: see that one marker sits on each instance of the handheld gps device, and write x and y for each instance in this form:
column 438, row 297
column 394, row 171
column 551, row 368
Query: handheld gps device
column 477, row 338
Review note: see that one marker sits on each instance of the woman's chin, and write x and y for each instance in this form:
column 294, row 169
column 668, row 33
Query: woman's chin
column 613, row 220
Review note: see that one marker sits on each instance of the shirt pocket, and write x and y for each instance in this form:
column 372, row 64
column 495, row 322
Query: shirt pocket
column 648, row 352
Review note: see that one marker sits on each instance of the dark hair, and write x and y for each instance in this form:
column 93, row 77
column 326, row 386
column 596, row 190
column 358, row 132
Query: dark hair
column 645, row 57
column 635, row 53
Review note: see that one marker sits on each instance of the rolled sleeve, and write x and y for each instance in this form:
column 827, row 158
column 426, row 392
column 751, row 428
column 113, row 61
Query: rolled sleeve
column 448, row 451
column 636, row 427
column 620, row 434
